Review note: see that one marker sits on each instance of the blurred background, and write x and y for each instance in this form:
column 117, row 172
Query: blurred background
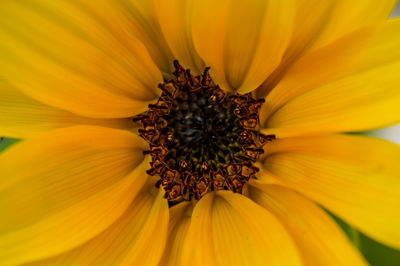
column 375, row 253
column 396, row 11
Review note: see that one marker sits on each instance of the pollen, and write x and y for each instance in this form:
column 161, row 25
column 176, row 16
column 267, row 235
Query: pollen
column 201, row 138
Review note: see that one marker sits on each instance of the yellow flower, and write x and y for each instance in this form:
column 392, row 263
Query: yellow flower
column 75, row 73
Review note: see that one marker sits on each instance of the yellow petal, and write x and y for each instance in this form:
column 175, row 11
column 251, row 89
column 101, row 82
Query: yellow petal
column 360, row 51
column 363, row 101
column 137, row 238
column 175, row 22
column 322, row 23
column 306, row 28
column 383, row 49
column 143, row 22
column 62, row 188
column 352, row 149
column 357, row 178
column 316, row 68
column 76, row 56
column 318, row 237
column 178, row 228
column 315, row 37
column 148, row 246
column 23, row 117
column 242, row 41
column 347, row 16
column 310, row 17
column 230, row 229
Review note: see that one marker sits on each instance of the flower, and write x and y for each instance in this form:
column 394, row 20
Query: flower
column 74, row 74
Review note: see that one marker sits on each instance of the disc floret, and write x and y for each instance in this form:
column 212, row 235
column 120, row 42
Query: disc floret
column 201, row 139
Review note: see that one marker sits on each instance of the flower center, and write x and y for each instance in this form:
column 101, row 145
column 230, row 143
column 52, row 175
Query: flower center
column 201, row 139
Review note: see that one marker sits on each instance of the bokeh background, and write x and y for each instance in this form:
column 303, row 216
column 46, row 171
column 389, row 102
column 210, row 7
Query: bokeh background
column 375, row 253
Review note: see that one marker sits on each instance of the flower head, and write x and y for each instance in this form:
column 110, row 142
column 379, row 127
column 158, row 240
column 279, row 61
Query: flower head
column 196, row 132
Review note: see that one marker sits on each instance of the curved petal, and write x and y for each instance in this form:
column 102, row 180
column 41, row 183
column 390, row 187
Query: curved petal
column 319, row 239
column 242, row 41
column 322, row 23
column 383, row 49
column 347, row 16
column 360, row 51
column 178, row 227
column 23, row 117
column 230, row 229
column 141, row 230
column 175, row 22
column 316, row 68
column 360, row 102
column 142, row 21
column 149, row 244
column 62, row 188
column 76, row 56
column 357, row 178
column 310, row 17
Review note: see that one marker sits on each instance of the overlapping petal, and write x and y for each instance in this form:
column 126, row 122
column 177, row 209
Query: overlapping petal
column 175, row 21
column 138, row 237
column 23, row 117
column 230, row 229
column 242, row 41
column 178, row 227
column 62, row 188
column 72, row 189
column 318, row 23
column 361, row 51
column 76, row 55
column 347, row 16
column 360, row 102
column 318, row 237
column 310, row 18
column 357, row 178
column 143, row 22
column 314, row 69
column 321, row 23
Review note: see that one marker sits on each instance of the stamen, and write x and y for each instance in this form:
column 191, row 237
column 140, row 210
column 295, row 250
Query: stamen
column 200, row 138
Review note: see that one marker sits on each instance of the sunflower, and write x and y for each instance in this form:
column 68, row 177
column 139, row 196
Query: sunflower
column 196, row 132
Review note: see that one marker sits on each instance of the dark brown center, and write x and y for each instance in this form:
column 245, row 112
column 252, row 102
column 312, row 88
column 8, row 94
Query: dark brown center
column 201, row 139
